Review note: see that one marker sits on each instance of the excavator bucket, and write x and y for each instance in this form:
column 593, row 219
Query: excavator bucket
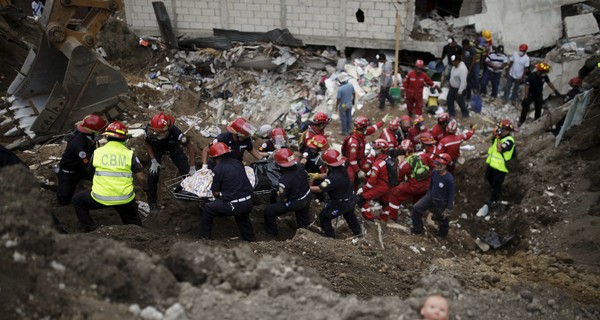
column 66, row 79
column 52, row 92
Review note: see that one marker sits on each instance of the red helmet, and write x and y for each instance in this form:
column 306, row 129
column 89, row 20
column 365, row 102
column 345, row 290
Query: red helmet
column 241, row 127
column 161, row 122
column 542, row 67
column 91, row 124
column 279, row 136
column 443, row 118
column 523, row 47
column 320, row 118
column 444, row 159
column 419, row 63
column 418, row 119
column 394, row 124
column 380, row 144
column 318, row 142
column 427, row 138
column 407, row 146
column 506, row 125
column 361, row 122
column 284, row 157
column 333, row 158
column 575, row 81
column 116, row 130
column 405, row 121
column 218, row 149
column 452, row 126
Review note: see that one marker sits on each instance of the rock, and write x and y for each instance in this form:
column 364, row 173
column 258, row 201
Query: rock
column 563, row 257
column 551, row 302
column 135, row 309
column 526, row 295
column 150, row 313
column 175, row 312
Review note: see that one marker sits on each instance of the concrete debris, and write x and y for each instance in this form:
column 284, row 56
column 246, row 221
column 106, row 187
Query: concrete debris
column 580, row 25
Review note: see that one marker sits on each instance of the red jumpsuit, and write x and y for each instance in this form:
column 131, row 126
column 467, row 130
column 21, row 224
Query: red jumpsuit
column 391, row 137
column 308, row 134
column 450, row 144
column 414, row 135
column 411, row 188
column 438, row 132
column 354, row 151
column 413, row 86
column 377, row 188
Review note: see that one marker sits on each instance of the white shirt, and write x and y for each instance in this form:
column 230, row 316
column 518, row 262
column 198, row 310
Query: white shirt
column 37, row 8
column 518, row 65
column 458, row 77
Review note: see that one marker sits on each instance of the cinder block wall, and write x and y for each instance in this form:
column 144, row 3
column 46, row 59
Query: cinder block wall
column 325, row 22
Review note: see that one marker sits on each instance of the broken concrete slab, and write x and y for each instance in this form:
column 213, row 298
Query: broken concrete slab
column 580, row 25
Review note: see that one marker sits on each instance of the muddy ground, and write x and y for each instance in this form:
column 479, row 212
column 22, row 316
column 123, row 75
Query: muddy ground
column 548, row 271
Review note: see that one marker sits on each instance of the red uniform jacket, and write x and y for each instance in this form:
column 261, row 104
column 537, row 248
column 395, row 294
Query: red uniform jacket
column 391, row 137
column 414, row 83
column 354, row 151
column 379, row 174
column 415, row 135
column 451, row 144
column 438, row 132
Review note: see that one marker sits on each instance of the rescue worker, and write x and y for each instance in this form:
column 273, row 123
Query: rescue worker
column 276, row 139
column 534, row 91
column 317, row 127
column 405, row 124
column 238, row 139
column 163, row 137
column 500, row 152
column 450, row 144
column 353, row 148
column 439, row 198
column 413, row 87
column 439, row 129
column 341, row 195
column 414, row 133
column 377, row 186
column 112, row 185
column 294, row 193
column 311, row 158
column 391, row 133
column 386, row 81
column 428, row 144
column 414, row 181
column 232, row 192
column 264, row 133
column 576, row 85
column 75, row 161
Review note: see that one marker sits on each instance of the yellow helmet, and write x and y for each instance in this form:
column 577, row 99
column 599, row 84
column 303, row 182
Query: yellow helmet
column 487, row 34
column 542, row 67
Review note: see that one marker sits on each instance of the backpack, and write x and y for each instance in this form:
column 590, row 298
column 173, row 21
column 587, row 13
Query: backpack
column 392, row 170
column 419, row 170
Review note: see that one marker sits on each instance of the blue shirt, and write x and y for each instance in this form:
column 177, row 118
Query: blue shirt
column 230, row 180
column 442, row 188
column 345, row 94
column 293, row 183
column 337, row 184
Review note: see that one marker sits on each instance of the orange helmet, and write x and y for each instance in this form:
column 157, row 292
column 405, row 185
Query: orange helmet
column 407, row 146
column 542, row 67
column 320, row 118
column 91, row 124
column 284, row 157
column 487, row 34
column 523, row 47
column 575, row 82
column 361, row 122
column 506, row 125
column 318, row 142
column 116, row 130
column 161, row 122
column 333, row 158
column 241, row 127
column 426, row 138
column 444, row 159
column 419, row 64
column 452, row 126
column 405, row 121
column 218, row 149
column 394, row 124
column 380, row 144
column 418, row 119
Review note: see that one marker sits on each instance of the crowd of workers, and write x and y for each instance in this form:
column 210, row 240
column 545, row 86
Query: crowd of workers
column 406, row 163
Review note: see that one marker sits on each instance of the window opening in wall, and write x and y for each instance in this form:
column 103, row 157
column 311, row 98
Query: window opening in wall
column 446, row 8
column 360, row 16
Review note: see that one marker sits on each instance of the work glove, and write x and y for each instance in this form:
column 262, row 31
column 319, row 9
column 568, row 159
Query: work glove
column 473, row 126
column 446, row 213
column 192, row 170
column 154, row 166
column 314, row 175
column 386, row 117
column 361, row 174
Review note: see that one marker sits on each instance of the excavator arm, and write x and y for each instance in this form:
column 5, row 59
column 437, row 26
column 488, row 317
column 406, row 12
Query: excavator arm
column 66, row 79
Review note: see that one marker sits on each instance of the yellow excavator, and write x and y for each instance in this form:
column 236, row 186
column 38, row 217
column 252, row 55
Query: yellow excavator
column 66, row 79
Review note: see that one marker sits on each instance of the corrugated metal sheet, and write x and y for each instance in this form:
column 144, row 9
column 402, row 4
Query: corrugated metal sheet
column 276, row 36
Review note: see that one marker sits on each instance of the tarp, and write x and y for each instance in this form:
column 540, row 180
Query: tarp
column 219, row 43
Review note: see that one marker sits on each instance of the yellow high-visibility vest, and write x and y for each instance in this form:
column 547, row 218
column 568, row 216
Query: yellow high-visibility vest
column 113, row 180
column 497, row 160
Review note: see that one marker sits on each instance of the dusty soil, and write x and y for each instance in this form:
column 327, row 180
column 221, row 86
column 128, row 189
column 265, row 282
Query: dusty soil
column 548, row 271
